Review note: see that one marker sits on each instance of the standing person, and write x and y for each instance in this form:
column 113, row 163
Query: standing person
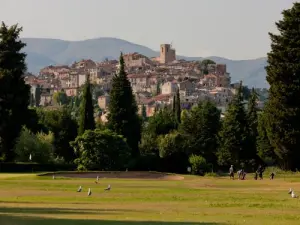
column 231, row 172
column 255, row 175
column 272, row 176
column 239, row 174
column 260, row 171
column 243, row 174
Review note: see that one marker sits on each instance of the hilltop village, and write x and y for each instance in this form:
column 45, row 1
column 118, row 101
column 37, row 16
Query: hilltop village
column 153, row 80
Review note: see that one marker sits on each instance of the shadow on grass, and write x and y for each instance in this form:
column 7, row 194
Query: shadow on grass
column 30, row 210
column 14, row 220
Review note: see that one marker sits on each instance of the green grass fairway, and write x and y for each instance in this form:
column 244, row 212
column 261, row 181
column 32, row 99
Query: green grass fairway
column 26, row 199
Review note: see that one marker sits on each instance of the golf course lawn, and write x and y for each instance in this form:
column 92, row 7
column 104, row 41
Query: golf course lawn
column 27, row 199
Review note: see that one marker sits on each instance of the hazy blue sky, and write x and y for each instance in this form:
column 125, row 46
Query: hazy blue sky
column 236, row 29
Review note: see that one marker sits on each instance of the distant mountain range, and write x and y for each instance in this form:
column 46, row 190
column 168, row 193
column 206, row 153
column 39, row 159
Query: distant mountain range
column 42, row 52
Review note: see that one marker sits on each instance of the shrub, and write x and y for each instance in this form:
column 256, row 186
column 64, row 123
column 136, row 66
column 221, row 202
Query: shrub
column 39, row 146
column 198, row 164
column 101, row 149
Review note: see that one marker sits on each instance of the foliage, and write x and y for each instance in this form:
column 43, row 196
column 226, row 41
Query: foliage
column 198, row 164
column 14, row 93
column 39, row 145
column 264, row 148
column 64, row 129
column 149, row 145
column 246, row 92
column 170, row 144
column 161, row 123
column 233, row 138
column 86, row 120
column 123, row 118
column 33, row 123
column 200, row 126
column 204, row 65
column 144, row 113
column 283, row 75
column 60, row 98
column 74, row 107
column 172, row 151
column 101, row 149
column 37, row 96
column 177, row 107
column 252, row 120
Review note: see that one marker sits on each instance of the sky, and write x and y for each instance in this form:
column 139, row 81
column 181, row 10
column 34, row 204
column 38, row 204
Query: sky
column 235, row 29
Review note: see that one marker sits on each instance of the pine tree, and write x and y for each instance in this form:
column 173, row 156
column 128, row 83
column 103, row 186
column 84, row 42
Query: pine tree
column 86, row 120
column 123, row 118
column 14, row 93
column 283, row 75
column 32, row 102
column 37, row 96
column 200, row 126
column 264, row 148
column 144, row 113
column 174, row 104
column 158, row 88
column 252, row 123
column 234, row 134
column 177, row 107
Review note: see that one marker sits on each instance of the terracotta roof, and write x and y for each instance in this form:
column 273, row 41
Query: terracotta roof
column 162, row 97
column 138, row 75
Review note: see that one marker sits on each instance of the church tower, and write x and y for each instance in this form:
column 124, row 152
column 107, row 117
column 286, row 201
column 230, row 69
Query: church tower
column 167, row 54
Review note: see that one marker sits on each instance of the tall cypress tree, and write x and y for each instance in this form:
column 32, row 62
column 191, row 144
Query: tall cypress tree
column 177, row 107
column 123, row 117
column 174, row 104
column 233, row 138
column 283, row 75
column 264, row 149
column 86, row 120
column 14, row 93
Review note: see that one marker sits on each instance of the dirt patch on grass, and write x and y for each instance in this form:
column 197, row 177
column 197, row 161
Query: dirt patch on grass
column 120, row 175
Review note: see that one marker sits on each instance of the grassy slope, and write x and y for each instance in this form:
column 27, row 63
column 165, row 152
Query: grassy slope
column 31, row 200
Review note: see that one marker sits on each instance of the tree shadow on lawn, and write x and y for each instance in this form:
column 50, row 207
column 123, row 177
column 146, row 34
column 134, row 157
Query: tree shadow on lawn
column 15, row 220
column 30, row 210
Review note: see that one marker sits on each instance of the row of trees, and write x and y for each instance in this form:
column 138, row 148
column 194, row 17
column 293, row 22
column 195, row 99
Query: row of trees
column 170, row 140
column 200, row 133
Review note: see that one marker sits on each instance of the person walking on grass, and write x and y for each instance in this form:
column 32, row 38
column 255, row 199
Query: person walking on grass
column 231, row 172
column 272, row 176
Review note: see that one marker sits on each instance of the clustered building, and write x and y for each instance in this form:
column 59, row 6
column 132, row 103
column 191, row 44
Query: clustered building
column 154, row 81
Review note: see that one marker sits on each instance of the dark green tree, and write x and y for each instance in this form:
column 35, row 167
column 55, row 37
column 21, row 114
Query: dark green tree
column 144, row 113
column 101, row 149
column 252, row 120
column 264, row 149
column 37, row 96
column 32, row 102
column 200, row 128
column 172, row 150
column 14, row 93
column 283, row 75
column 161, row 123
column 123, row 118
column 64, row 129
column 204, row 65
column 60, row 98
column 177, row 107
column 86, row 120
column 233, row 137
column 174, row 104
